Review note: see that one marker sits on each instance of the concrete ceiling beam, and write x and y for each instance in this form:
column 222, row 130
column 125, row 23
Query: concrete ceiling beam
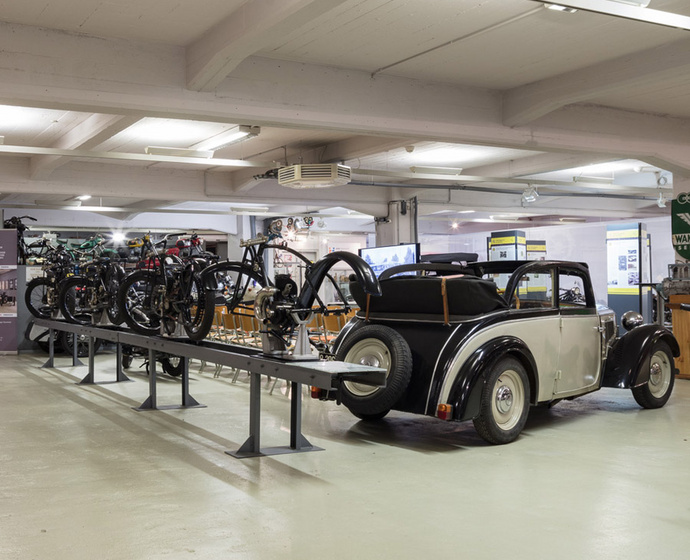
column 90, row 133
column 144, row 80
column 668, row 64
column 542, row 163
column 252, row 27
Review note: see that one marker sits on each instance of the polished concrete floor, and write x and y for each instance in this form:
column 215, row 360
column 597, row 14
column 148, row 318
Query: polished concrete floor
column 83, row 476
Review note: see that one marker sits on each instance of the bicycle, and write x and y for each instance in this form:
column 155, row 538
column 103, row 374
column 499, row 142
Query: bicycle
column 17, row 222
column 247, row 289
column 166, row 291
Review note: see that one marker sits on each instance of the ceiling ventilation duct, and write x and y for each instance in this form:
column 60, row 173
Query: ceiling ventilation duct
column 314, row 175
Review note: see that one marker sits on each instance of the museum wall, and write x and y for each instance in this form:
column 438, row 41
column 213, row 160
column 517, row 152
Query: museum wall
column 577, row 242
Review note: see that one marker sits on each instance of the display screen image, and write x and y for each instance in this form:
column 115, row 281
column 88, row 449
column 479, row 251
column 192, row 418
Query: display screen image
column 381, row 258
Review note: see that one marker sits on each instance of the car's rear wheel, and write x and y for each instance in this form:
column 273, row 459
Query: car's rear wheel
column 656, row 392
column 504, row 402
column 376, row 346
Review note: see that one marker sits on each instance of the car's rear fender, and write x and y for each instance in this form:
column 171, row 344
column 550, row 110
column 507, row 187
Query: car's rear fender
column 465, row 393
column 626, row 360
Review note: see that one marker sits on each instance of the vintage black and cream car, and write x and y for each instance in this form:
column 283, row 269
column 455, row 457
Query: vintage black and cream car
column 487, row 340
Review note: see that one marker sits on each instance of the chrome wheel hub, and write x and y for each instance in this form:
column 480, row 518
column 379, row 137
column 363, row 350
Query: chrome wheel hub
column 655, row 374
column 371, row 361
column 368, row 352
column 504, row 399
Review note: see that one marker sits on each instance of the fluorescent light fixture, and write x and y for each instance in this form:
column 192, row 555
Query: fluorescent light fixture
column 99, row 209
column 178, row 152
column 530, row 195
column 559, row 8
column 157, row 131
column 235, row 134
column 586, row 179
column 572, row 220
column 83, row 197
column 244, row 211
column 638, row 3
column 440, row 170
column 466, row 211
column 635, row 10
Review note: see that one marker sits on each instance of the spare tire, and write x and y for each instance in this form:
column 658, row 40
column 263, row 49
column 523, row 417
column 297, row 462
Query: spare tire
column 377, row 346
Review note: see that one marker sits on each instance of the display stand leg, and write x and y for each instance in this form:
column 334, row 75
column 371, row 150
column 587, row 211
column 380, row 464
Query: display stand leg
column 187, row 399
column 119, row 373
column 252, row 447
column 88, row 378
column 92, row 356
column 75, row 351
column 297, row 440
column 51, row 350
column 150, row 402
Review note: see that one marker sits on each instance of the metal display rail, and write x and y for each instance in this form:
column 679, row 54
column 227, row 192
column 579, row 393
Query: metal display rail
column 321, row 374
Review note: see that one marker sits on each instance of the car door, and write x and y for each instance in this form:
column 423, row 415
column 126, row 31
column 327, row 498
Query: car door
column 579, row 365
column 536, row 321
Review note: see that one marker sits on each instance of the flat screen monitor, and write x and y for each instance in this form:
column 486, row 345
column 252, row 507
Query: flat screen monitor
column 381, row 258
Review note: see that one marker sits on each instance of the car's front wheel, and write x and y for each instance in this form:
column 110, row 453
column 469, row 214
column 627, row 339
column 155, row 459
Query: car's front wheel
column 504, row 402
column 656, row 392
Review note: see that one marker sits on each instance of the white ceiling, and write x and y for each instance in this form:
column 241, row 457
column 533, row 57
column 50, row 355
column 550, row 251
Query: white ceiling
column 509, row 91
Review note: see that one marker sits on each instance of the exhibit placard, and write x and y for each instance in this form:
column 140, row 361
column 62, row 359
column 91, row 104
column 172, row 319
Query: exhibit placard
column 8, row 291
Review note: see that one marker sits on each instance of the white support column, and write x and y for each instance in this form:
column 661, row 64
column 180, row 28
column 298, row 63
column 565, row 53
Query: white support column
column 400, row 225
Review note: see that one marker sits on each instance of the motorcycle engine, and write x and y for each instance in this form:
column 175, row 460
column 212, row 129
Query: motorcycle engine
column 273, row 303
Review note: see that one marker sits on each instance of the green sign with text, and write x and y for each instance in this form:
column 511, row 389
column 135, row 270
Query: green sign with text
column 680, row 224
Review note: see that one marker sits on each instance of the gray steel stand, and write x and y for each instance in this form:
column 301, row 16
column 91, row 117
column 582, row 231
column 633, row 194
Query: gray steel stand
column 50, row 362
column 252, row 446
column 150, row 402
column 119, row 374
column 75, row 351
column 51, row 350
column 187, row 400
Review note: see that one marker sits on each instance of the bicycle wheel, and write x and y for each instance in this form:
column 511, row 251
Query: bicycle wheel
column 37, row 297
column 139, row 301
column 198, row 310
column 73, row 300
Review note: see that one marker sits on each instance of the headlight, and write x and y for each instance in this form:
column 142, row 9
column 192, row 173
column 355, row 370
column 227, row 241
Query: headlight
column 631, row 319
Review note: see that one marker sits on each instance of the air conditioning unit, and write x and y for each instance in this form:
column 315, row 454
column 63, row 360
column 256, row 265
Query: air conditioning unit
column 314, row 175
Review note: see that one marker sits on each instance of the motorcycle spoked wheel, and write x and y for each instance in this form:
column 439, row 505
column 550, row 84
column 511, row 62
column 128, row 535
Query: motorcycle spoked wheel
column 197, row 312
column 73, row 300
column 36, row 297
column 137, row 299
column 113, row 279
column 82, row 344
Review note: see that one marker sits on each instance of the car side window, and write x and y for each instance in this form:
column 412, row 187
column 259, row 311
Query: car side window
column 534, row 291
column 571, row 290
